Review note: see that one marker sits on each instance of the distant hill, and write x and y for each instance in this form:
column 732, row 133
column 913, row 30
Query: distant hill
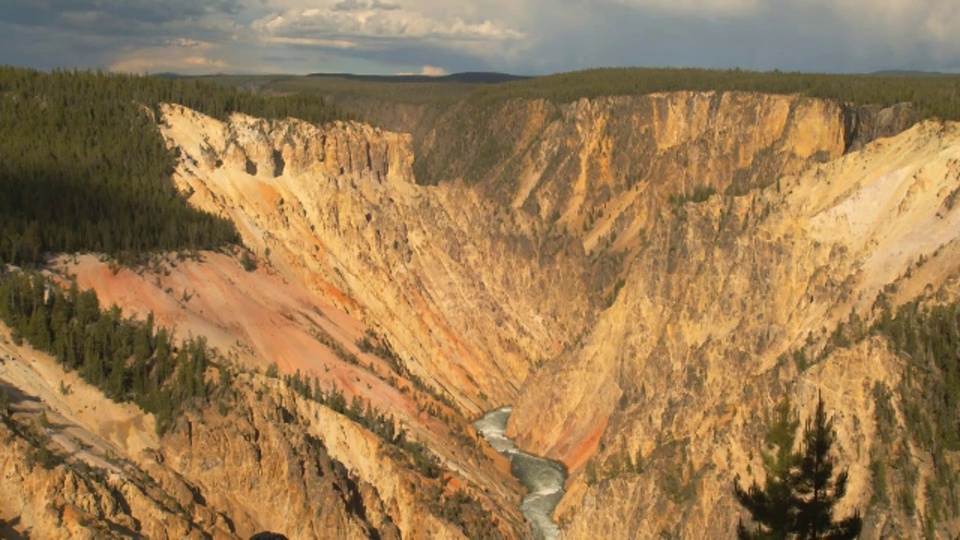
column 913, row 73
column 467, row 77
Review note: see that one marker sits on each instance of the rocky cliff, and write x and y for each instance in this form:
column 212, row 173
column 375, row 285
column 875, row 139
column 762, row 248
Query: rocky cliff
column 697, row 346
column 612, row 267
column 260, row 457
column 472, row 289
column 643, row 278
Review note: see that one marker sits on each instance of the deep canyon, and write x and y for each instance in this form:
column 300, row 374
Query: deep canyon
column 633, row 275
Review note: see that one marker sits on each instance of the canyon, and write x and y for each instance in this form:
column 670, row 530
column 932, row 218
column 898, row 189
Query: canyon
column 633, row 275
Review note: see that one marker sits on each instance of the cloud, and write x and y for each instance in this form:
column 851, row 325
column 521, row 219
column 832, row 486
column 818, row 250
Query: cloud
column 183, row 42
column 697, row 7
column 390, row 35
column 371, row 20
column 358, row 5
column 429, row 71
column 182, row 56
column 522, row 36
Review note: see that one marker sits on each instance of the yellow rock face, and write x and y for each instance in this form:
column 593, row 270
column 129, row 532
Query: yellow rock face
column 629, row 273
column 690, row 354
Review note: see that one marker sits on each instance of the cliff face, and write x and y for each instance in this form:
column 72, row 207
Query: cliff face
column 261, row 457
column 344, row 215
column 698, row 344
column 632, row 274
column 628, row 272
column 473, row 291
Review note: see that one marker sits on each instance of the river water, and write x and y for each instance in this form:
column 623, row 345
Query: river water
column 543, row 478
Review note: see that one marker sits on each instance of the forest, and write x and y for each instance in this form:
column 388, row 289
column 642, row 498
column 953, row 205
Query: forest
column 129, row 360
column 933, row 96
column 84, row 169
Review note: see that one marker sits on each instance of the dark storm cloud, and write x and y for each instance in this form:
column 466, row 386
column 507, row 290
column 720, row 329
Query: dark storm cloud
column 808, row 36
column 95, row 12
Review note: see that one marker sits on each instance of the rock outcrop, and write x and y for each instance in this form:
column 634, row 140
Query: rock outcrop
column 698, row 345
column 259, row 457
column 473, row 291
column 629, row 272
column 634, row 275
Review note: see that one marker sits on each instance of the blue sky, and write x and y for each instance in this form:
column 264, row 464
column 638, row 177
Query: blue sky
column 517, row 36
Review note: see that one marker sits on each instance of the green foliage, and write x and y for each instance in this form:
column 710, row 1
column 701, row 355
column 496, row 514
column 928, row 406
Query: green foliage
column 248, row 261
column 273, row 371
column 34, row 433
column 933, row 96
column 383, row 426
column 129, row 361
column 816, row 486
column 698, row 195
column 878, row 472
column 930, row 339
column 800, row 491
column 4, row 402
column 467, row 513
column 84, row 168
column 773, row 507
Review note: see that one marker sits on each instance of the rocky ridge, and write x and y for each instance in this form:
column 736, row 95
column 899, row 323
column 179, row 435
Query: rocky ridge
column 260, row 457
column 697, row 244
column 696, row 345
column 632, row 274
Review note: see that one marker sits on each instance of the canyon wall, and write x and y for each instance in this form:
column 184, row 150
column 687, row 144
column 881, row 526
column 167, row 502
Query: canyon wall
column 681, row 369
column 476, row 283
column 633, row 274
column 629, row 272
column 259, row 457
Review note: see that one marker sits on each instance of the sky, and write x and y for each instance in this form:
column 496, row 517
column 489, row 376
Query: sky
column 434, row 37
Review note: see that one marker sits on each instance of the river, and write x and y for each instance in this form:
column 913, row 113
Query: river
column 542, row 477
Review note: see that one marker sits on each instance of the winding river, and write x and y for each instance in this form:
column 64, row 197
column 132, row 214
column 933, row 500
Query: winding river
column 542, row 477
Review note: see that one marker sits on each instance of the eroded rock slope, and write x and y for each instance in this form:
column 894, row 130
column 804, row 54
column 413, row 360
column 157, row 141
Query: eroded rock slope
column 635, row 275
column 629, row 272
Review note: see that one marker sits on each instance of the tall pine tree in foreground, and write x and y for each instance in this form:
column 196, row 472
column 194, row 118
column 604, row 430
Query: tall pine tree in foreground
column 800, row 491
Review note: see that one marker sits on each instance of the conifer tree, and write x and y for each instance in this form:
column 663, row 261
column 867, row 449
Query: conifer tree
column 800, row 491
column 772, row 507
column 816, row 491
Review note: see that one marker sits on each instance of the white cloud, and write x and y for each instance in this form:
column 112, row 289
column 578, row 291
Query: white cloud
column 183, row 42
column 698, row 7
column 312, row 42
column 196, row 57
column 524, row 36
column 376, row 20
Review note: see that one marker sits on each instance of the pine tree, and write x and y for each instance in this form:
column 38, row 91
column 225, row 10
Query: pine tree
column 773, row 506
column 800, row 490
column 815, row 489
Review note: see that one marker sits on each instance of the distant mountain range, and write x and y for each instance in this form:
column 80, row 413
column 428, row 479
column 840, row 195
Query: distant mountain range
column 912, row 73
column 476, row 77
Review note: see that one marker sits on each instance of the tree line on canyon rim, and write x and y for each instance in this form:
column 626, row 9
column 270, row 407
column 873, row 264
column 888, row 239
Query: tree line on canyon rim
column 933, row 95
column 83, row 166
